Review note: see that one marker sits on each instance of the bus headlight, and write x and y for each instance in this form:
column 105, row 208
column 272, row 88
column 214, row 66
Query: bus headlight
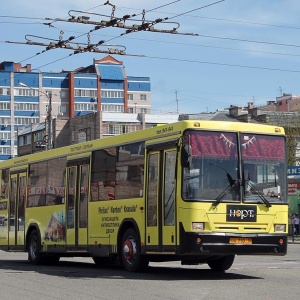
column 279, row 227
column 197, row 226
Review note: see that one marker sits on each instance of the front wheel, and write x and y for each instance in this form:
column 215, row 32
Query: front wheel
column 132, row 260
column 221, row 264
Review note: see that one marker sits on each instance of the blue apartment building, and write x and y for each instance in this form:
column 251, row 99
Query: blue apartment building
column 28, row 97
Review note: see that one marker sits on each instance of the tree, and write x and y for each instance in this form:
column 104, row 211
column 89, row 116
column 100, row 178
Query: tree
column 290, row 121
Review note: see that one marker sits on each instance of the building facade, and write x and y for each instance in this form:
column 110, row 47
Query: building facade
column 95, row 125
column 28, row 97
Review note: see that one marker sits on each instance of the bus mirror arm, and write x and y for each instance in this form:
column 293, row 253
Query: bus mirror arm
column 185, row 156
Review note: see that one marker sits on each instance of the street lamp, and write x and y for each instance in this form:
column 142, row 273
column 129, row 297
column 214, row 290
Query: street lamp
column 49, row 112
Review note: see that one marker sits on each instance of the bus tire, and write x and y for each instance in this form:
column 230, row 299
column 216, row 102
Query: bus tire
column 35, row 256
column 221, row 264
column 132, row 260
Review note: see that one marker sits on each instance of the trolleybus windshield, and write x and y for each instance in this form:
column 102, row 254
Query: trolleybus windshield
column 217, row 172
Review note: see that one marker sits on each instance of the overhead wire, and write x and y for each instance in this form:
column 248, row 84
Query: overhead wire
column 196, row 61
column 164, row 19
column 222, row 19
column 215, row 47
column 222, row 64
column 205, row 62
column 206, row 36
column 207, row 46
column 192, row 10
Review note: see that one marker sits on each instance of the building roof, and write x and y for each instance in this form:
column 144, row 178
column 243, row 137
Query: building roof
column 111, row 72
column 32, row 128
column 165, row 119
column 120, row 117
column 219, row 115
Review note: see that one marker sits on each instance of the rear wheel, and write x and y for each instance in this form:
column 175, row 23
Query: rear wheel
column 221, row 264
column 132, row 260
column 34, row 250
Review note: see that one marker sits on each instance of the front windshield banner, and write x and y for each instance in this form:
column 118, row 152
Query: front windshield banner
column 218, row 173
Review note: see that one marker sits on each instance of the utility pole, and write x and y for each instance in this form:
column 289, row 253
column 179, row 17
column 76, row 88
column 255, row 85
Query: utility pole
column 49, row 113
column 49, row 120
column 176, row 98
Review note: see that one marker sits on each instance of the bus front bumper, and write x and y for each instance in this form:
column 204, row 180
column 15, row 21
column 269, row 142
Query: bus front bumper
column 228, row 243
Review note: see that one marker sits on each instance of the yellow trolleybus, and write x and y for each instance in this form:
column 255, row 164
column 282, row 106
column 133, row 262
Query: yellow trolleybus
column 193, row 191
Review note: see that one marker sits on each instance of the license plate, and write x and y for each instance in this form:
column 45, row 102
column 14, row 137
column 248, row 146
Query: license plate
column 240, row 241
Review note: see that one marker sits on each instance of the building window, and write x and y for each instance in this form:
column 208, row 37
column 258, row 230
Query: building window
column 21, row 141
column 112, row 108
column 63, row 94
column 5, row 91
column 39, row 136
column 143, row 97
column 112, row 94
column 144, row 110
column 26, row 106
column 62, row 109
column 26, row 92
column 115, row 129
column 84, row 135
column 85, row 93
column 27, row 139
column 4, row 105
column 5, row 150
column 26, row 121
column 130, row 97
column 85, row 106
column 4, row 135
column 130, row 110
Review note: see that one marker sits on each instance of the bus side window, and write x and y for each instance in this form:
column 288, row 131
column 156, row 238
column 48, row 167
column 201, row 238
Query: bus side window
column 4, row 183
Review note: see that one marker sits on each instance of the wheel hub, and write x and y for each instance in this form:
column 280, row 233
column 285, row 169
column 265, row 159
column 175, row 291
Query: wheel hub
column 129, row 249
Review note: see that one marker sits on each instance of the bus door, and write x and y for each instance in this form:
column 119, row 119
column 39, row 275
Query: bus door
column 77, row 204
column 16, row 217
column 160, row 201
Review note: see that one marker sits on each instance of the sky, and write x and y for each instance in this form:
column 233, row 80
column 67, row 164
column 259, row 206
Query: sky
column 226, row 52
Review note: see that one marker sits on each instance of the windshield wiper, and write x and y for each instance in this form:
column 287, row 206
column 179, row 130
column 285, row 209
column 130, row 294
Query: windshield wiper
column 226, row 191
column 255, row 191
column 232, row 185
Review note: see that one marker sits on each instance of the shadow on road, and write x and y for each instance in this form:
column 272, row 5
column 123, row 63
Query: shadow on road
column 89, row 270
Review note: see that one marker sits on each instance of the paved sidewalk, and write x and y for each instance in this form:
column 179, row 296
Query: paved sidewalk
column 296, row 239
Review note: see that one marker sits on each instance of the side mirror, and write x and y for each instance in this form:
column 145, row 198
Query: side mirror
column 186, row 157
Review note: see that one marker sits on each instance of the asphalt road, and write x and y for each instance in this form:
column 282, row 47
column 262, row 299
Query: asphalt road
column 251, row 277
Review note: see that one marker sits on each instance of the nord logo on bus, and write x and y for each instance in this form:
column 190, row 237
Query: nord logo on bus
column 239, row 213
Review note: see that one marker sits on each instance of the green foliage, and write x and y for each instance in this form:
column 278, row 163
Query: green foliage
column 291, row 124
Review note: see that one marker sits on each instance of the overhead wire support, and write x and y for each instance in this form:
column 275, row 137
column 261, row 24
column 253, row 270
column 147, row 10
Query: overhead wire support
column 119, row 22
column 60, row 43
column 111, row 22
column 112, row 49
column 113, row 8
column 85, row 19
